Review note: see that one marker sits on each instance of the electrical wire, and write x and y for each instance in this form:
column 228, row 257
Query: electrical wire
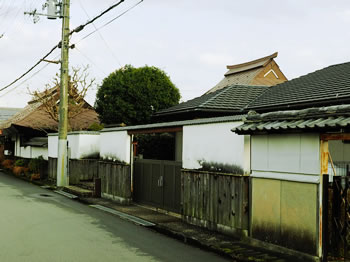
column 30, row 69
column 27, row 79
column 90, row 60
column 81, row 27
column 102, row 38
column 76, row 30
column 110, row 21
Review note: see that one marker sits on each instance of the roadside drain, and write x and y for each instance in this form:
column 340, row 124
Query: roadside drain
column 45, row 195
column 134, row 219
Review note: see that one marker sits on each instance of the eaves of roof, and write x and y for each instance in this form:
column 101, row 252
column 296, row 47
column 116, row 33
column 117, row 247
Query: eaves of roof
column 323, row 118
column 203, row 121
column 261, row 62
column 37, row 142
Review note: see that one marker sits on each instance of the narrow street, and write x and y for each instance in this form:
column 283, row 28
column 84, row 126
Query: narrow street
column 40, row 225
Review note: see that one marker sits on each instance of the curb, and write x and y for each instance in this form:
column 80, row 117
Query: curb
column 191, row 241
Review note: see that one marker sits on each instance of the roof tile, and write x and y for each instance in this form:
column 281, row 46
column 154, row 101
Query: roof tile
column 230, row 99
column 328, row 85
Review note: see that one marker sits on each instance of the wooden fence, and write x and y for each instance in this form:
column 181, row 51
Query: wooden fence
column 82, row 169
column 115, row 177
column 115, row 182
column 52, row 168
column 216, row 201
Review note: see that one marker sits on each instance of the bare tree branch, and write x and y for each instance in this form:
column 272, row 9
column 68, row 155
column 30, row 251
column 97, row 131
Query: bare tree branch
column 79, row 84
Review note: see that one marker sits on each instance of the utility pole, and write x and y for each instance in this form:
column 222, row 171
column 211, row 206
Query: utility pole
column 52, row 13
column 62, row 157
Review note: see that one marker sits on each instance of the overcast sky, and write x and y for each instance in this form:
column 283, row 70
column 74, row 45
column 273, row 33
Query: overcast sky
column 192, row 41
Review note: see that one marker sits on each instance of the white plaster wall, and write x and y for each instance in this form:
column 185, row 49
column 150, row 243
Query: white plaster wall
column 24, row 152
column 88, row 145
column 32, row 152
column 53, row 146
column 81, row 145
column 39, row 151
column 212, row 143
column 73, row 145
column 115, row 145
column 286, row 154
column 17, row 145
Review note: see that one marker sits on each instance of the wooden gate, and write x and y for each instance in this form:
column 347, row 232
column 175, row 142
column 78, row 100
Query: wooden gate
column 158, row 183
column 339, row 213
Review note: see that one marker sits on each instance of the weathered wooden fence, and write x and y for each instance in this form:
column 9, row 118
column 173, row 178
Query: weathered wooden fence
column 216, row 201
column 115, row 177
column 115, row 182
column 52, row 168
column 82, row 169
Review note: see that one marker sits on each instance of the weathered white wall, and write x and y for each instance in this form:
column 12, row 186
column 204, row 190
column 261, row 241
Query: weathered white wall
column 285, row 154
column 84, row 145
column 53, row 145
column 29, row 151
column 81, row 144
column 17, row 145
column 285, row 190
column 213, row 143
column 24, row 152
column 115, row 145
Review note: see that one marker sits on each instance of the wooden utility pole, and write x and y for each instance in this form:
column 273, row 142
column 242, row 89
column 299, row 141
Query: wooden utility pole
column 62, row 158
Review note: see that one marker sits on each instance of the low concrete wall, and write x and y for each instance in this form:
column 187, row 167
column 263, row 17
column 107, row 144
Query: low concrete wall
column 285, row 213
column 216, row 201
column 115, row 181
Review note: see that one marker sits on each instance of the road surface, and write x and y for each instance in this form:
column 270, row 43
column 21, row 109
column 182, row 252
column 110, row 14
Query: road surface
column 40, row 225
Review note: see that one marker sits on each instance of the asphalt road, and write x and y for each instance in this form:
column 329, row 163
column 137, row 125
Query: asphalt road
column 40, row 225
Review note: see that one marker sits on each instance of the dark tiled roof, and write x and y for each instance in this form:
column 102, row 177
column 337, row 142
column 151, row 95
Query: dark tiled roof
column 322, row 118
column 230, row 99
column 7, row 112
column 330, row 85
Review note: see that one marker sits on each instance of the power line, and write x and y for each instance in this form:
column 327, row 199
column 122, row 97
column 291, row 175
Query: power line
column 76, row 30
column 90, row 60
column 99, row 33
column 25, row 80
column 30, row 69
column 81, row 27
column 110, row 21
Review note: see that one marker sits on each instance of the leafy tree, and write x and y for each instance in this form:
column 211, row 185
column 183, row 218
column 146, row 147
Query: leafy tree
column 130, row 95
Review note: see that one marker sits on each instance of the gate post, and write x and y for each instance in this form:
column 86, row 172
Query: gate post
column 325, row 231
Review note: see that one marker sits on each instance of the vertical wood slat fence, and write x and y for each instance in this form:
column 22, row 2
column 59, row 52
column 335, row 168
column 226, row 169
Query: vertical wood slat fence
column 82, row 169
column 115, row 181
column 115, row 177
column 216, row 201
